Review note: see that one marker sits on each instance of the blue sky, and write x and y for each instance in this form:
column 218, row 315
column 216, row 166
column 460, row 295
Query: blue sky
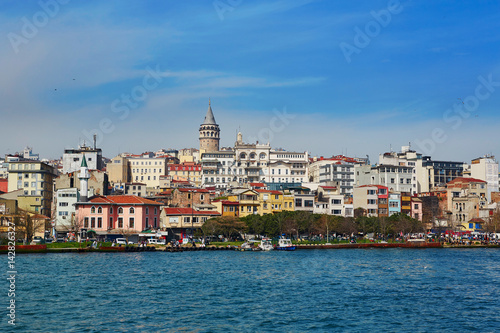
column 322, row 76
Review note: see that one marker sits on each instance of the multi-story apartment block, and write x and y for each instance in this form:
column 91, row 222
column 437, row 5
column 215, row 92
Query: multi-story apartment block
column 486, row 168
column 188, row 155
column 406, row 203
column 35, row 179
column 304, row 199
column 248, row 201
column 190, row 197
column 372, row 198
column 337, row 170
column 119, row 170
column 4, row 168
column 286, row 167
column 226, row 207
column 331, row 201
column 466, row 196
column 187, row 171
column 394, row 201
column 138, row 189
column 427, row 174
column 29, row 155
column 147, row 168
column 396, row 178
column 65, row 200
column 72, row 158
column 274, row 201
column 417, row 209
column 251, row 161
column 218, row 169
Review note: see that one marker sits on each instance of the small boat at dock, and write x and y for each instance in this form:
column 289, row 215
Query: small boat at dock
column 285, row 244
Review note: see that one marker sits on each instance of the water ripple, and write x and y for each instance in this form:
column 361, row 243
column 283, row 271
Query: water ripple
column 388, row 290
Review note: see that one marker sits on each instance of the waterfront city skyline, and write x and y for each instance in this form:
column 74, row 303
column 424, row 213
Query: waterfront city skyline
column 355, row 78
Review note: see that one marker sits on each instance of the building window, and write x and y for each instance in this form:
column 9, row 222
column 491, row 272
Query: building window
column 92, row 222
column 92, row 210
column 131, row 210
column 110, row 225
column 86, row 222
column 131, row 223
column 99, row 210
column 99, row 222
column 120, row 222
column 120, row 210
column 111, row 210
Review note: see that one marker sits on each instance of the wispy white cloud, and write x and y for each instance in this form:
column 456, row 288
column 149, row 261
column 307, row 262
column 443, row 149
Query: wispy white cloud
column 214, row 79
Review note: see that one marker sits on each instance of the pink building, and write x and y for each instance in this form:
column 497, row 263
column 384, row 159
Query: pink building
column 109, row 214
column 416, row 208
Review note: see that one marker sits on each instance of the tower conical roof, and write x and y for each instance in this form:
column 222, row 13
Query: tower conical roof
column 209, row 118
column 84, row 162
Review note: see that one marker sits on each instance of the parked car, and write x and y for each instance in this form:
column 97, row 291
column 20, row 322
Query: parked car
column 122, row 241
column 157, row 241
column 49, row 240
column 37, row 240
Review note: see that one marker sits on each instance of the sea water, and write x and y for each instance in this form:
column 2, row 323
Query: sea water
column 355, row 290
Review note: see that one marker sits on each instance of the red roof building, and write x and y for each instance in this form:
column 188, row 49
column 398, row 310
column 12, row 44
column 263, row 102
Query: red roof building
column 118, row 214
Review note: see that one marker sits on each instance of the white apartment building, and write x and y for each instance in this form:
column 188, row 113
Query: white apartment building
column 65, row 200
column 253, row 163
column 428, row 174
column 286, row 167
column 486, row 168
column 72, row 159
column 218, row 169
column 396, row 178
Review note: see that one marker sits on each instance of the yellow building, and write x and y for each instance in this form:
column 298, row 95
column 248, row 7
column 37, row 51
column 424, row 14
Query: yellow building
column 35, row 179
column 475, row 224
column 248, row 201
column 190, row 172
column 226, row 207
column 274, row 201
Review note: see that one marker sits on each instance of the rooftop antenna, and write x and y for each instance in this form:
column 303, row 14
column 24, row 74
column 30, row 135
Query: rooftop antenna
column 95, row 140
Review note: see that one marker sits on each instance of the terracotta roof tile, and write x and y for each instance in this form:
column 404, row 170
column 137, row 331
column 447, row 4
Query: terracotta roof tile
column 122, row 199
column 188, row 211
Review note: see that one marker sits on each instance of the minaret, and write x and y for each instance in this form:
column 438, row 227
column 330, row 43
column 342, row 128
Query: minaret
column 209, row 133
column 84, row 180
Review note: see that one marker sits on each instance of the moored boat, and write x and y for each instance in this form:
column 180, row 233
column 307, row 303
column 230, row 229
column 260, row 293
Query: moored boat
column 266, row 245
column 285, row 244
